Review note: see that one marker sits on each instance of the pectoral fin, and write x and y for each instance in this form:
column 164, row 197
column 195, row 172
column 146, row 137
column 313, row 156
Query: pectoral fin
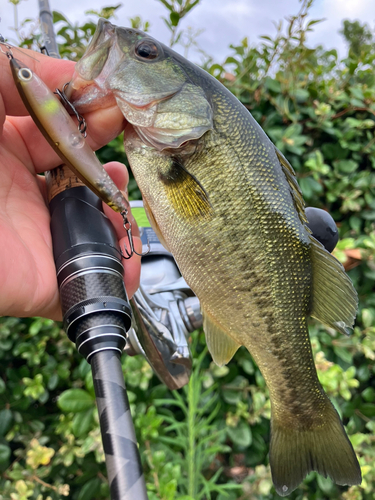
column 335, row 300
column 184, row 191
column 221, row 346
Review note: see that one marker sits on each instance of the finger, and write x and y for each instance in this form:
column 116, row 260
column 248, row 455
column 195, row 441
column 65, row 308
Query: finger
column 119, row 174
column 102, row 126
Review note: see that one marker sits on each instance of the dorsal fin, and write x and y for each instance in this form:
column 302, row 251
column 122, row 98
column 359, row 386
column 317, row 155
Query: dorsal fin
column 295, row 190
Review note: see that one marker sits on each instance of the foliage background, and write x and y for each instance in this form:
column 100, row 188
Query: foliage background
column 210, row 440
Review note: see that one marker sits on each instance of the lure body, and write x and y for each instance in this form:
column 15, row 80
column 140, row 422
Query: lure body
column 62, row 133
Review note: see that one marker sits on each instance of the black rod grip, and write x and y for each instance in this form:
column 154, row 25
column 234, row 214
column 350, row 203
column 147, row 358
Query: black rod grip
column 95, row 307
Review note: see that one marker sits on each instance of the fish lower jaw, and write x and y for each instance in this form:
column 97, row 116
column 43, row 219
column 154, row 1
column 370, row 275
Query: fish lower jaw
column 86, row 96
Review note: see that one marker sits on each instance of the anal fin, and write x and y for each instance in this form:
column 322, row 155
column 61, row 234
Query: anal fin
column 335, row 300
column 222, row 347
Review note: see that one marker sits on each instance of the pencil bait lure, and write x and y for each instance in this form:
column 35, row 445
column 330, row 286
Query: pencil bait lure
column 68, row 140
column 63, row 135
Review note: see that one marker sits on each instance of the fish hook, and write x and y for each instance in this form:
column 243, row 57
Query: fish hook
column 128, row 229
column 44, row 50
column 82, row 126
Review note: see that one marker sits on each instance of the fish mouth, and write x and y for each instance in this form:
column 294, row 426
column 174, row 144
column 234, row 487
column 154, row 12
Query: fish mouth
column 85, row 95
column 143, row 101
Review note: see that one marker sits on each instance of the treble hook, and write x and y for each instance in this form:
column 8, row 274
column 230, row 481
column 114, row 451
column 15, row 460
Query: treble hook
column 128, row 229
column 82, row 126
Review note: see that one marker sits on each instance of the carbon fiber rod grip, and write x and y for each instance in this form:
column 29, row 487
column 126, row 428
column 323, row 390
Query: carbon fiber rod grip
column 125, row 475
column 96, row 311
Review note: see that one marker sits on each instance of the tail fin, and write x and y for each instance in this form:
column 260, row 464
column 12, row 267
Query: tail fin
column 325, row 449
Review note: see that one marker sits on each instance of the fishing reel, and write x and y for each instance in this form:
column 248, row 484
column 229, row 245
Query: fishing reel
column 165, row 310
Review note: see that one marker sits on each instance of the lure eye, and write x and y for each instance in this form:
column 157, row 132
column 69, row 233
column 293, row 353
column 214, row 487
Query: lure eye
column 146, row 49
column 25, row 74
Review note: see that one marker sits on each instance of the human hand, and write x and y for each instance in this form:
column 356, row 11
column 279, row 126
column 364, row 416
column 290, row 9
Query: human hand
column 28, row 285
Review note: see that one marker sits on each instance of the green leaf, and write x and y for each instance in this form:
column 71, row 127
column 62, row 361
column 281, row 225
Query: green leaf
column 314, row 21
column 82, row 422
column 247, row 366
column 241, row 434
column 369, row 394
column 167, row 5
column 301, row 95
column 175, row 18
column 53, row 381
column 6, row 418
column 5, row 452
column 272, row 85
column 368, row 317
column 309, row 186
column 357, row 103
column 368, row 410
column 333, row 151
column 75, row 400
column 347, row 166
column 326, row 484
column 344, row 354
column 89, row 489
column 355, row 223
column 357, row 92
column 57, row 16
column 363, row 373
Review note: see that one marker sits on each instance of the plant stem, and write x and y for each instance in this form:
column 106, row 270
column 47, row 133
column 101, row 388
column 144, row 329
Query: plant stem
column 191, row 429
column 15, row 11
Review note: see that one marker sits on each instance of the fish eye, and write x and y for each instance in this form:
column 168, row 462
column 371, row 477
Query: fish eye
column 146, row 49
column 25, row 74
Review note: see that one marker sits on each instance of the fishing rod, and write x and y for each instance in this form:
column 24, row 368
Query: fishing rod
column 96, row 311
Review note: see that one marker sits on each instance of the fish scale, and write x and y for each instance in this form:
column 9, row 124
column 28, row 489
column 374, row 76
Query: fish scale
column 227, row 205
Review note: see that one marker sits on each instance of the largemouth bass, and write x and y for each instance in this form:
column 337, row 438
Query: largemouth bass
column 63, row 135
column 227, row 205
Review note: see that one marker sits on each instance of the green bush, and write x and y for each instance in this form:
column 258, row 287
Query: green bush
column 211, row 439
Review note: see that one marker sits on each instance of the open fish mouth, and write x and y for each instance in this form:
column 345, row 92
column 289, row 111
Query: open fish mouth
column 86, row 96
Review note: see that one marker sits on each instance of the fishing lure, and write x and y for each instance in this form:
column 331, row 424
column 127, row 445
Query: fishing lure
column 66, row 139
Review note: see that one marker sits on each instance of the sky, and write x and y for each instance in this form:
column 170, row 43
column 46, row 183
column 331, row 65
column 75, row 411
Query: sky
column 224, row 22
